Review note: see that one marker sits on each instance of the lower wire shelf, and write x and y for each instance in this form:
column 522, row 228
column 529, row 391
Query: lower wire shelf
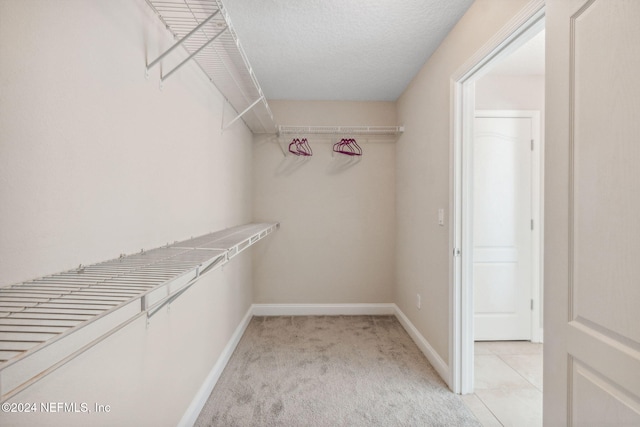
column 47, row 321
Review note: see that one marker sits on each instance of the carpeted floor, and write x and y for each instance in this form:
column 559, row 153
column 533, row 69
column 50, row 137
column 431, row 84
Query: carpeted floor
column 331, row 371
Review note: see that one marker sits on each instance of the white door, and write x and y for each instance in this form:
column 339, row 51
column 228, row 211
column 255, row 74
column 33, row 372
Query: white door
column 502, row 232
column 592, row 211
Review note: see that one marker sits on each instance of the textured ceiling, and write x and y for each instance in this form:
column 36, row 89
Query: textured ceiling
column 359, row 50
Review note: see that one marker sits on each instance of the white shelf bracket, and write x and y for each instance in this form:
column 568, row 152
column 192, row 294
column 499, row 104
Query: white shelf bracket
column 194, row 23
column 244, row 112
column 165, row 77
column 182, row 40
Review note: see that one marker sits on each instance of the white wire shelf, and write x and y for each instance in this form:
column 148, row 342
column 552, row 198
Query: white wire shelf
column 204, row 29
column 340, row 130
column 47, row 321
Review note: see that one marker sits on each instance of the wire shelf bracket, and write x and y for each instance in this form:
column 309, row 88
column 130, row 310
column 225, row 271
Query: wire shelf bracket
column 204, row 30
column 179, row 43
column 224, row 127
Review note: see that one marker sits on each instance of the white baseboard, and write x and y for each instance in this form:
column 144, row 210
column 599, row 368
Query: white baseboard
column 191, row 415
column 432, row 356
column 322, row 309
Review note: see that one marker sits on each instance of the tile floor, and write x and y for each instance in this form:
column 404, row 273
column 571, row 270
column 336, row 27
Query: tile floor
column 508, row 384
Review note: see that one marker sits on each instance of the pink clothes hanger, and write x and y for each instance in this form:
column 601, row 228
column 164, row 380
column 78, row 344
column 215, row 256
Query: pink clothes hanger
column 306, row 148
column 300, row 148
column 348, row 146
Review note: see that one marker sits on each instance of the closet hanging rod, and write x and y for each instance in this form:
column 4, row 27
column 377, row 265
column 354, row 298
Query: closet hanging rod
column 340, row 130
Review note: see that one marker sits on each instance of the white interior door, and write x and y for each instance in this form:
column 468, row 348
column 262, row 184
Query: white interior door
column 502, row 228
column 592, row 232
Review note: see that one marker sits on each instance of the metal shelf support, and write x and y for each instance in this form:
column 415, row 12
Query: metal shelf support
column 245, row 111
column 182, row 40
column 221, row 57
column 165, row 77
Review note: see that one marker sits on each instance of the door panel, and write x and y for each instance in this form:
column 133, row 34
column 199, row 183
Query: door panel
column 592, row 358
column 598, row 402
column 606, row 153
column 502, row 197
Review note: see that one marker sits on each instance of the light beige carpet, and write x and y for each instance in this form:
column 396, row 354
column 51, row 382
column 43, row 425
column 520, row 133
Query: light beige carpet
column 331, row 371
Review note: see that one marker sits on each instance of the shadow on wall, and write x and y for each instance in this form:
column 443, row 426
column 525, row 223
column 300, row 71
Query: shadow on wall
column 340, row 163
column 289, row 164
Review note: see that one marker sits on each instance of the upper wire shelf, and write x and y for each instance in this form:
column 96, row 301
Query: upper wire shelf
column 204, row 29
column 340, row 130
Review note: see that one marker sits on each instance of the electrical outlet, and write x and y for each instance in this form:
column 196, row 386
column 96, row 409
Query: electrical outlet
column 441, row 217
column 418, row 301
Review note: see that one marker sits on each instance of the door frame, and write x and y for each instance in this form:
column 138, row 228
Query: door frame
column 537, row 178
column 520, row 29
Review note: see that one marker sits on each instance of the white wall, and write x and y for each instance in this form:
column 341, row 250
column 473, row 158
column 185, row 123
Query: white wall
column 336, row 242
column 510, row 92
column 422, row 179
column 96, row 161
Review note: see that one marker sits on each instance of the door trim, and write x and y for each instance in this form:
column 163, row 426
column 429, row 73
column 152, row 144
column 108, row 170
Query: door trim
column 462, row 87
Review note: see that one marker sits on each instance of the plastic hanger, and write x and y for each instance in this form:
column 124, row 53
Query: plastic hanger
column 300, row 148
column 347, row 146
column 306, row 148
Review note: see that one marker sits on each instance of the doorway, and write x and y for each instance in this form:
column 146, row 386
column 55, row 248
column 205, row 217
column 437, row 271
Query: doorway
column 506, row 150
column 523, row 29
